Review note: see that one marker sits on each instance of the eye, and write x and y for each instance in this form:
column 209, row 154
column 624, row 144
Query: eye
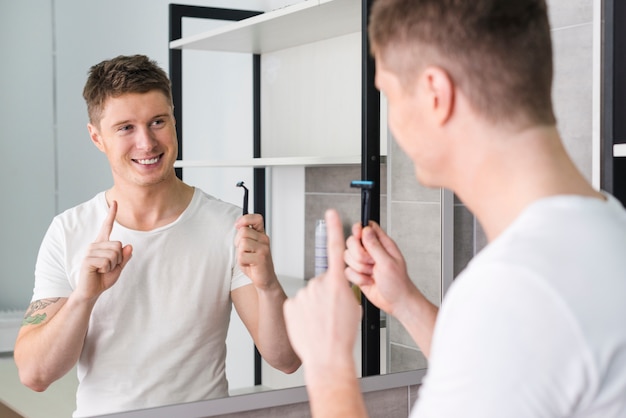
column 158, row 122
column 125, row 128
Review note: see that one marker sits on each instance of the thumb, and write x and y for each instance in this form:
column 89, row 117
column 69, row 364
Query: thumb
column 127, row 253
column 378, row 244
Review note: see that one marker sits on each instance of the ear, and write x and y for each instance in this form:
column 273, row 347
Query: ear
column 95, row 136
column 440, row 91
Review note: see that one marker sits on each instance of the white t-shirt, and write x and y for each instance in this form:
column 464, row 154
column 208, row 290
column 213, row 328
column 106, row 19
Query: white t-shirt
column 158, row 335
column 536, row 324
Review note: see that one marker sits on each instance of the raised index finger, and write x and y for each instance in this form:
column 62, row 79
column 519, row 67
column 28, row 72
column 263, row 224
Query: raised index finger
column 335, row 243
column 107, row 225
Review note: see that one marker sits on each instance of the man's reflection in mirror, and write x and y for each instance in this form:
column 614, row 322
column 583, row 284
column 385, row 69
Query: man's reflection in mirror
column 136, row 285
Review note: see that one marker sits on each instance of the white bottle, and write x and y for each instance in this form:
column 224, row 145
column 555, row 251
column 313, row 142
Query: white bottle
column 321, row 260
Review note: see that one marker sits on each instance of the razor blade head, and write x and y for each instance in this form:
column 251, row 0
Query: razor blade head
column 362, row 184
column 240, row 184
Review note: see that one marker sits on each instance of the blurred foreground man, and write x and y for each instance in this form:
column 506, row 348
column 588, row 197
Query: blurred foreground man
column 136, row 285
column 534, row 326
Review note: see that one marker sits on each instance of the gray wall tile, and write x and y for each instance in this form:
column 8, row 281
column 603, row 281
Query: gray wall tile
column 329, row 187
column 398, row 334
column 331, row 179
column 391, row 403
column 415, row 226
column 480, row 238
column 406, row 358
column 572, row 92
column 403, row 184
column 416, row 229
column 413, row 394
column 298, row 410
column 337, row 179
column 569, row 12
column 463, row 238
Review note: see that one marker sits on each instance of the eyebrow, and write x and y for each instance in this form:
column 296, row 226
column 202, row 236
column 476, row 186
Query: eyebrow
column 129, row 121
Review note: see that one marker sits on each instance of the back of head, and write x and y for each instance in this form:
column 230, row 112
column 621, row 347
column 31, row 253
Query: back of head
column 497, row 52
column 122, row 75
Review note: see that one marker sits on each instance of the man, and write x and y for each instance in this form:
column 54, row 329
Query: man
column 534, row 325
column 136, row 284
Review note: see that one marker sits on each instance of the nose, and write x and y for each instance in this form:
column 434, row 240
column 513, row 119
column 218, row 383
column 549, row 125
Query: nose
column 145, row 139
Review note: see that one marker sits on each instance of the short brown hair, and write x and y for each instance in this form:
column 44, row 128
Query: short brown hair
column 121, row 75
column 498, row 52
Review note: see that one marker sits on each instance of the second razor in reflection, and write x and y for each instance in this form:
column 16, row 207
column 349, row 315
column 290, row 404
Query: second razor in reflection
column 245, row 197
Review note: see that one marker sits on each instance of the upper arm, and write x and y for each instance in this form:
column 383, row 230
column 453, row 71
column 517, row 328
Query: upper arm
column 505, row 346
column 246, row 302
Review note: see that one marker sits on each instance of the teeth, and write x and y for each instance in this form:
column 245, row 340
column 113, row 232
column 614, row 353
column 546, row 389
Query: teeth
column 150, row 161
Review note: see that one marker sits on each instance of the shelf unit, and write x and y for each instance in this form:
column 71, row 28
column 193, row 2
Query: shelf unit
column 276, row 162
column 306, row 22
column 301, row 23
column 272, row 162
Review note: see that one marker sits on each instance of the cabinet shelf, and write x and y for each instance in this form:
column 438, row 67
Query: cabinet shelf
column 275, row 162
column 619, row 150
column 301, row 23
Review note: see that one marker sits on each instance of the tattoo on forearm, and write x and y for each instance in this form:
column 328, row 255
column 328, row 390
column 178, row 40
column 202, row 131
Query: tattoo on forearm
column 32, row 317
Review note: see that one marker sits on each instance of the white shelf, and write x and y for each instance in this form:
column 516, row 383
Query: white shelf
column 273, row 162
column 301, row 23
column 619, row 150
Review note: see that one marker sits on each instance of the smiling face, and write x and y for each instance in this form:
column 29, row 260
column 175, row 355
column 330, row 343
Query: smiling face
column 137, row 133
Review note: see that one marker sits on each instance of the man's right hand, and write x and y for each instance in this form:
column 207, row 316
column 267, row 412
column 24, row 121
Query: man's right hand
column 377, row 266
column 104, row 260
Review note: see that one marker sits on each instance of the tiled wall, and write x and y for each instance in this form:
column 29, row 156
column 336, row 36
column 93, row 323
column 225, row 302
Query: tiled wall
column 329, row 187
column 572, row 92
column 389, row 403
column 415, row 224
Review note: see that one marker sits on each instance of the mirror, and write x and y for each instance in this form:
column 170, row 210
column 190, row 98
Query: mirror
column 291, row 120
column 52, row 165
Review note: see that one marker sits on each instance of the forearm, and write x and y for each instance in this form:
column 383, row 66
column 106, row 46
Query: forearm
column 47, row 351
column 418, row 316
column 273, row 342
column 334, row 391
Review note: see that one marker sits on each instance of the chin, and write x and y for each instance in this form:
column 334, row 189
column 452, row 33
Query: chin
column 426, row 181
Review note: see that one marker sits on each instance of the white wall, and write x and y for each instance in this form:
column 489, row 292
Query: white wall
column 27, row 172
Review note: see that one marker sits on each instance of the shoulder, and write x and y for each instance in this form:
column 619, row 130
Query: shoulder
column 82, row 216
column 505, row 288
column 499, row 328
column 213, row 206
column 562, row 238
column 96, row 206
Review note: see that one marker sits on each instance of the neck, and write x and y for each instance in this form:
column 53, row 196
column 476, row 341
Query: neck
column 148, row 207
column 510, row 170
